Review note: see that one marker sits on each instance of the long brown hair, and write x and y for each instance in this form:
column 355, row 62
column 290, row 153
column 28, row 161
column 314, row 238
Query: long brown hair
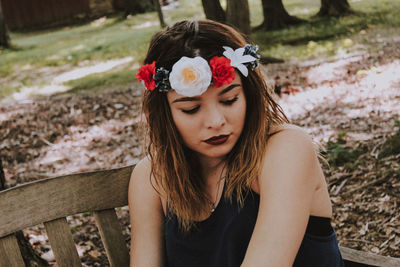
column 174, row 166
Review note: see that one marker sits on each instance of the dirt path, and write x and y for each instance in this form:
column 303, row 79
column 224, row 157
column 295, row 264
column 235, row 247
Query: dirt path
column 351, row 104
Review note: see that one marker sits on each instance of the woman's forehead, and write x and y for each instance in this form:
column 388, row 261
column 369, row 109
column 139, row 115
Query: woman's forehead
column 236, row 84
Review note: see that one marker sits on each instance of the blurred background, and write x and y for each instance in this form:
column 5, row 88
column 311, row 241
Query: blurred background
column 70, row 102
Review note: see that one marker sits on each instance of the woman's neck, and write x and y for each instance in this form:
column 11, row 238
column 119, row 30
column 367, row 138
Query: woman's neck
column 212, row 169
column 210, row 163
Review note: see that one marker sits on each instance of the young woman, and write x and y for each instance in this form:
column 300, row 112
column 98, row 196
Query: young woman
column 227, row 182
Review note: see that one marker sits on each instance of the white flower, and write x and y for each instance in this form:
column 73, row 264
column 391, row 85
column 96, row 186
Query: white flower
column 190, row 76
column 237, row 59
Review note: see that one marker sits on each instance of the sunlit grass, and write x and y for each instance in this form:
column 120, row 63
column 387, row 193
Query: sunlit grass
column 6, row 90
column 71, row 46
column 102, row 81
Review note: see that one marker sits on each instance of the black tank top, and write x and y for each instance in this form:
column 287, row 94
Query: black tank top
column 221, row 240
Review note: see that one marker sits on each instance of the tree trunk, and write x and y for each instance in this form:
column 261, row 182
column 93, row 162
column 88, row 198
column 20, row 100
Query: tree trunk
column 29, row 255
column 133, row 7
column 213, row 10
column 238, row 15
column 334, row 8
column 276, row 16
column 160, row 13
column 4, row 37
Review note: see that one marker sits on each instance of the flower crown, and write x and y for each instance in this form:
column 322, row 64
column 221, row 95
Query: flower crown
column 192, row 76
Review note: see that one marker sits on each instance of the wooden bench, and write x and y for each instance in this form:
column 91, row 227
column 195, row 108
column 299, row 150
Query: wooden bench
column 50, row 201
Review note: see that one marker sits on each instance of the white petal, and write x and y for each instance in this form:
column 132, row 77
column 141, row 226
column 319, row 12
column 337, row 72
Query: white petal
column 242, row 68
column 235, row 60
column 246, row 59
column 200, row 69
column 228, row 49
column 228, row 55
column 239, row 52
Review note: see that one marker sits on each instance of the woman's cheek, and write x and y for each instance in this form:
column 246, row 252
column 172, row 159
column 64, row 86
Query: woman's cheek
column 184, row 124
column 238, row 115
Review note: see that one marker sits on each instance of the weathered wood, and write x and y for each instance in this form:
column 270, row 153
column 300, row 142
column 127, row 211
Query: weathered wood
column 10, row 253
column 53, row 198
column 29, row 255
column 111, row 235
column 368, row 258
column 62, row 243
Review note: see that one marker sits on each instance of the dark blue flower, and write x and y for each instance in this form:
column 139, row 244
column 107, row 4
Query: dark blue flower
column 161, row 79
column 252, row 51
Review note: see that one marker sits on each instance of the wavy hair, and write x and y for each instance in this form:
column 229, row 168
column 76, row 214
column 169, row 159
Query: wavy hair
column 175, row 168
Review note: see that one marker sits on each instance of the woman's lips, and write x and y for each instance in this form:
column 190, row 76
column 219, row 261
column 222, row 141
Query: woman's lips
column 217, row 140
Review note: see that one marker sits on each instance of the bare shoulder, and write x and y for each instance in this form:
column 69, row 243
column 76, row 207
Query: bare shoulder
column 140, row 182
column 284, row 128
column 290, row 154
column 290, row 141
column 142, row 167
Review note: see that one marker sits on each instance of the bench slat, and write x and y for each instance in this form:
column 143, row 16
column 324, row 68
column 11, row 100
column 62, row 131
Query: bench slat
column 111, row 235
column 10, row 253
column 22, row 206
column 62, row 244
column 368, row 258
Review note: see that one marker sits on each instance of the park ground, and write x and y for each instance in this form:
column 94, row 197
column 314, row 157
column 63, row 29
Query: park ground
column 69, row 103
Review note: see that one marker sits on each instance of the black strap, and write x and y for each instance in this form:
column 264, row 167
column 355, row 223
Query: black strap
column 320, row 226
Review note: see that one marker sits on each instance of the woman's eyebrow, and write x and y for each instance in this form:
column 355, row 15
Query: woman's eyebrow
column 186, row 99
column 227, row 89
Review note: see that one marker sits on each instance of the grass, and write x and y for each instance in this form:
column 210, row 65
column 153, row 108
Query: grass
column 392, row 145
column 73, row 45
column 101, row 81
column 116, row 38
column 338, row 153
column 6, row 90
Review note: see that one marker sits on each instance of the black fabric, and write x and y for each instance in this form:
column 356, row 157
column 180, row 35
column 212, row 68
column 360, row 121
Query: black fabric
column 222, row 239
column 320, row 226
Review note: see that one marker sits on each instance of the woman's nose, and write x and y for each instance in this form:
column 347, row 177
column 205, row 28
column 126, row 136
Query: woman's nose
column 215, row 118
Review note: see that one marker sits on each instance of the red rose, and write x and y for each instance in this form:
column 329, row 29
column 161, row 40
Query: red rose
column 146, row 74
column 222, row 71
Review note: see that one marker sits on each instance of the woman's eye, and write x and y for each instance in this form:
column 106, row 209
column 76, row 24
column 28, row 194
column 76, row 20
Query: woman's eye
column 230, row 101
column 191, row 111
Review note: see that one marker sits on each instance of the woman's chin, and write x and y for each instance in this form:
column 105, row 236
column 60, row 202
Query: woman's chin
column 216, row 152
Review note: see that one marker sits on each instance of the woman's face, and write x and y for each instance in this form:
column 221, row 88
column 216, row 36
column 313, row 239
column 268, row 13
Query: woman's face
column 210, row 124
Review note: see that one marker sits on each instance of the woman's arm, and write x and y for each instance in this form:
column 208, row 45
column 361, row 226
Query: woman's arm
column 287, row 182
column 147, row 219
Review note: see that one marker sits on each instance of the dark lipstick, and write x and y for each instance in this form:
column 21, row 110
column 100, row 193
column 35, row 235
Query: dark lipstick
column 217, row 140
